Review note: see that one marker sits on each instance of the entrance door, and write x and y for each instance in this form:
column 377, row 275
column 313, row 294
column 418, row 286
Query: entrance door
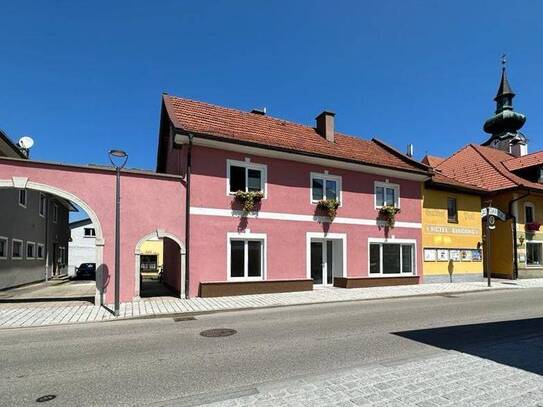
column 323, row 265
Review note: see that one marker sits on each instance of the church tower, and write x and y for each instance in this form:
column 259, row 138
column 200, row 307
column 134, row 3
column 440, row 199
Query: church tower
column 504, row 126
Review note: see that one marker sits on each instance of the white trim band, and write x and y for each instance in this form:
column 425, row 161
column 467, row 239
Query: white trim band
column 297, row 218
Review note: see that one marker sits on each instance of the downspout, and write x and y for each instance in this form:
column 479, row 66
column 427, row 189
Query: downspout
column 187, row 218
column 514, row 219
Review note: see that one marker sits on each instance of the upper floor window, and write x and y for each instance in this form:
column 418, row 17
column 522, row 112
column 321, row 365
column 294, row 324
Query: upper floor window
column 245, row 176
column 529, row 213
column 325, row 186
column 89, row 232
column 43, row 205
column 387, row 194
column 452, row 210
column 22, row 197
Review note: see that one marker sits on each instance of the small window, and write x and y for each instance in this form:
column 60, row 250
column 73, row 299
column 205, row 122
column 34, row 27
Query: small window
column 16, row 249
column 325, row 186
column 3, row 248
column 30, row 250
column 40, row 251
column 55, row 213
column 43, row 205
column 387, row 195
column 245, row 176
column 246, row 259
column 22, row 198
column 529, row 213
column 89, row 232
column 392, row 259
column 534, row 253
column 452, row 211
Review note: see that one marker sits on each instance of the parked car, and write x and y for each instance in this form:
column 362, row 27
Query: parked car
column 86, row 270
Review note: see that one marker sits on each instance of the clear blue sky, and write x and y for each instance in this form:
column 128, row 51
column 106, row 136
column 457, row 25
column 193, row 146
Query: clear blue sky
column 84, row 77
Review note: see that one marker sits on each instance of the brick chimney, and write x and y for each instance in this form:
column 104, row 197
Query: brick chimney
column 325, row 125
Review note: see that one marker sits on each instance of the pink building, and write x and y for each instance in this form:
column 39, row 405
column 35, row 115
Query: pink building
column 287, row 243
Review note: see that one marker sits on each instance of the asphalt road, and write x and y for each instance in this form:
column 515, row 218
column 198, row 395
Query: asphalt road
column 161, row 362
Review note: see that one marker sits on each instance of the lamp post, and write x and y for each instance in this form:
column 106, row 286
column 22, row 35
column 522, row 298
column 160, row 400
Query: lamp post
column 118, row 159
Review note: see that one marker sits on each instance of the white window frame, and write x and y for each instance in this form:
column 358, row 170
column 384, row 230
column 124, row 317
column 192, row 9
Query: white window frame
column 325, row 176
column 381, row 241
column 42, row 214
column 539, row 242
column 19, row 198
column 309, row 236
column 6, row 247
column 13, row 241
column 33, row 244
column 38, row 246
column 246, row 237
column 531, row 205
column 248, row 165
column 55, row 212
column 390, row 185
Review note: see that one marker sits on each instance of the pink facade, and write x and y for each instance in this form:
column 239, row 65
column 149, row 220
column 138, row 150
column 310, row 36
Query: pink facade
column 287, row 215
column 149, row 202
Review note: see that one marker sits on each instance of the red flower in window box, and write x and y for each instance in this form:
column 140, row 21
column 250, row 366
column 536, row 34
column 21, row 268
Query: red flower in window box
column 532, row 227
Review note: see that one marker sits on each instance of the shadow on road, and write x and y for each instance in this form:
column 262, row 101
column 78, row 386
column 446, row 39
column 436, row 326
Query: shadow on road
column 517, row 343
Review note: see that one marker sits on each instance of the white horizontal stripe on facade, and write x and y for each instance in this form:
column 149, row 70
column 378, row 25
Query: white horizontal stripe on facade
column 298, row 218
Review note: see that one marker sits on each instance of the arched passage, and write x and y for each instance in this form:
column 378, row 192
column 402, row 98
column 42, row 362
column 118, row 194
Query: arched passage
column 160, row 234
column 24, row 183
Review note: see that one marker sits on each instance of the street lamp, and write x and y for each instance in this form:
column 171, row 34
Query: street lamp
column 118, row 159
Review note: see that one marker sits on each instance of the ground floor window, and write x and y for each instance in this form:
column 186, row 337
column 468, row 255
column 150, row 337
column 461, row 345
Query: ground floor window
column 30, row 250
column 392, row 258
column 149, row 262
column 246, row 257
column 534, row 253
column 40, row 251
column 16, row 249
column 3, row 247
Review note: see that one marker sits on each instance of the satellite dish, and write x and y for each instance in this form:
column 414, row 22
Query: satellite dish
column 26, row 142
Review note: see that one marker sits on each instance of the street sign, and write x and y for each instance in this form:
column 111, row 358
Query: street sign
column 494, row 212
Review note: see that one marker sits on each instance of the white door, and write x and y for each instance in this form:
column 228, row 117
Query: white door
column 323, row 265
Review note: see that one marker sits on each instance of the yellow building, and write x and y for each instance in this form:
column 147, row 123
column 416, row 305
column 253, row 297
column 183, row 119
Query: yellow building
column 152, row 254
column 451, row 231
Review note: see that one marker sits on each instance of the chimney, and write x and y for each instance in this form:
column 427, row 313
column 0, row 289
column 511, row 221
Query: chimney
column 261, row 112
column 410, row 150
column 325, row 125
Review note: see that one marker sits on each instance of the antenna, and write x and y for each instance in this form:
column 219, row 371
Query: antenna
column 26, row 144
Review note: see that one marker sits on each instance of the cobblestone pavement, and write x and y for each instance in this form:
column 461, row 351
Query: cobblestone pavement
column 449, row 378
column 17, row 315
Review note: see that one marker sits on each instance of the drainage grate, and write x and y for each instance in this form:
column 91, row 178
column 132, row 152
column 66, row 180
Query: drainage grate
column 219, row 332
column 181, row 319
column 47, row 397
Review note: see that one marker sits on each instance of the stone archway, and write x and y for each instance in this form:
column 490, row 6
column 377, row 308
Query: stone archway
column 160, row 234
column 24, row 183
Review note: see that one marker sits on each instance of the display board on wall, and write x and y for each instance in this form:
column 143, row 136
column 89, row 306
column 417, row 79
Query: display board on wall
column 431, row 255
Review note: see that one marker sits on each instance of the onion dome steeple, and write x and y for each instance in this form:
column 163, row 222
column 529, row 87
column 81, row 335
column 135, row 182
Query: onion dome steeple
column 504, row 126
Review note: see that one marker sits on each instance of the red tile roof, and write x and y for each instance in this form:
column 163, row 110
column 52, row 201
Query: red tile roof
column 432, row 160
column 204, row 120
column 483, row 167
column 525, row 161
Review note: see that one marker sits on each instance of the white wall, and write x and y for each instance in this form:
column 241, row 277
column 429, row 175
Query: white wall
column 81, row 249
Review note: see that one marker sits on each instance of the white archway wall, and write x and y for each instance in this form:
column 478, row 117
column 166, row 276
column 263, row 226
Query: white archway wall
column 160, row 234
column 23, row 182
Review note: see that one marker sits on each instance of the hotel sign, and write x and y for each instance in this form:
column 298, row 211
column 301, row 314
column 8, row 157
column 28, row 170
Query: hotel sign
column 452, row 230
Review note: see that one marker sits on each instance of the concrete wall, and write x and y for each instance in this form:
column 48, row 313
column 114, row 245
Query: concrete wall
column 288, row 196
column 26, row 224
column 438, row 233
column 148, row 202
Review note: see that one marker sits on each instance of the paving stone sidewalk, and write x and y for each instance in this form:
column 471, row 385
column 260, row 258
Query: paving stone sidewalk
column 448, row 379
column 17, row 315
